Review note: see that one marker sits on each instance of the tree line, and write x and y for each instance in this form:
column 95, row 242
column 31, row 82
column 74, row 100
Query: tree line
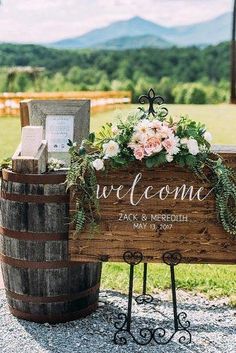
column 181, row 75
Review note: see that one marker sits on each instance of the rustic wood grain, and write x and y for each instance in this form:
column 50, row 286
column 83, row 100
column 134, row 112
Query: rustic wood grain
column 200, row 240
column 31, row 165
column 24, row 112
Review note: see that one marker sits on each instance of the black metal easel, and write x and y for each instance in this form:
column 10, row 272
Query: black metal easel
column 159, row 334
column 144, row 298
column 181, row 325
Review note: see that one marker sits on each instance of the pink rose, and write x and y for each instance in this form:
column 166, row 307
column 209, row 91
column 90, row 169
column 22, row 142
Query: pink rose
column 139, row 153
column 153, row 145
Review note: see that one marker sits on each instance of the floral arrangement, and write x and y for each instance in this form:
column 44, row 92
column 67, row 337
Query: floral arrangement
column 155, row 140
column 150, row 139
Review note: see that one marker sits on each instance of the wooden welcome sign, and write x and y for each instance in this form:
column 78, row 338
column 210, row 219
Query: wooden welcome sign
column 154, row 211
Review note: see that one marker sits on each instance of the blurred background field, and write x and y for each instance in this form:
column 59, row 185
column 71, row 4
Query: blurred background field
column 220, row 120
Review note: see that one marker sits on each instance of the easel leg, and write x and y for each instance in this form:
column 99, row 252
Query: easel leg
column 174, row 300
column 181, row 324
column 145, row 278
column 130, row 298
column 144, row 298
column 123, row 325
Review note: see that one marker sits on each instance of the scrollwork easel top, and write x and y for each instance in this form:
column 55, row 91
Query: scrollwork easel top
column 151, row 99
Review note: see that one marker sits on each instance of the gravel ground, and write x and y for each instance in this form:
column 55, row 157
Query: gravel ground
column 213, row 327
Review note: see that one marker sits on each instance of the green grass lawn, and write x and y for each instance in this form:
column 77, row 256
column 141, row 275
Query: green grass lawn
column 209, row 279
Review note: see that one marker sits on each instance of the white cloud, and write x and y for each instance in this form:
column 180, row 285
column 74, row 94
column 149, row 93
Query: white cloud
column 49, row 20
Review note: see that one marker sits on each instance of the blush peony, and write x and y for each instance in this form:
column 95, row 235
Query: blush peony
column 166, row 131
column 193, row 146
column 98, row 164
column 207, row 136
column 171, row 145
column 153, row 145
column 111, row 149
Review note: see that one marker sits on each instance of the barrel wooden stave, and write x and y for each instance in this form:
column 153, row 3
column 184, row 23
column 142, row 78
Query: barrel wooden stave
column 41, row 284
column 51, row 282
column 51, row 285
column 34, row 250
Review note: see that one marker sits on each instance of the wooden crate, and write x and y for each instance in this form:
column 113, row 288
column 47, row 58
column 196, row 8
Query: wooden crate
column 31, row 165
column 189, row 227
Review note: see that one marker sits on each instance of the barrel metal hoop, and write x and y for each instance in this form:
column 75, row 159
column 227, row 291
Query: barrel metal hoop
column 44, row 300
column 8, row 175
column 36, row 264
column 54, row 318
column 32, row 236
column 38, row 199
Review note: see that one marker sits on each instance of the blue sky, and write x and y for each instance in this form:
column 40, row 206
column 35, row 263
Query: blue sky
column 49, row 20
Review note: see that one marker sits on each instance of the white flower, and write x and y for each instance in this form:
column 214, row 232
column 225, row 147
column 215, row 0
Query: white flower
column 156, row 125
column 193, row 146
column 111, row 149
column 207, row 136
column 169, row 158
column 137, row 140
column 54, row 164
column 105, row 157
column 98, row 164
column 74, row 144
column 143, row 127
column 115, row 130
column 184, row 141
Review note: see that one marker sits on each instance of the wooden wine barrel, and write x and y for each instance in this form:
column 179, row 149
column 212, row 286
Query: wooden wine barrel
column 41, row 284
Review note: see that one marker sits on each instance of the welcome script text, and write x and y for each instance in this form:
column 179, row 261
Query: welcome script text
column 179, row 192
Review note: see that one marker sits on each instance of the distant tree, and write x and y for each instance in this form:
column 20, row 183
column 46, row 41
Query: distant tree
column 135, row 70
column 195, row 95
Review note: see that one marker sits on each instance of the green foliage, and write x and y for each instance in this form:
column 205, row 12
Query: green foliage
column 179, row 93
column 181, row 75
column 81, row 179
column 79, row 219
column 166, row 88
column 104, row 134
column 200, row 93
column 195, row 95
column 5, row 163
column 225, row 192
column 156, row 160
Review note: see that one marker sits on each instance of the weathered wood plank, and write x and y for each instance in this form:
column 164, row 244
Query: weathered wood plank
column 30, row 165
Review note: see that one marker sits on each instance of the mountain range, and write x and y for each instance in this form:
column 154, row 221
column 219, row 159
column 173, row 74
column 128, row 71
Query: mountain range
column 138, row 33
